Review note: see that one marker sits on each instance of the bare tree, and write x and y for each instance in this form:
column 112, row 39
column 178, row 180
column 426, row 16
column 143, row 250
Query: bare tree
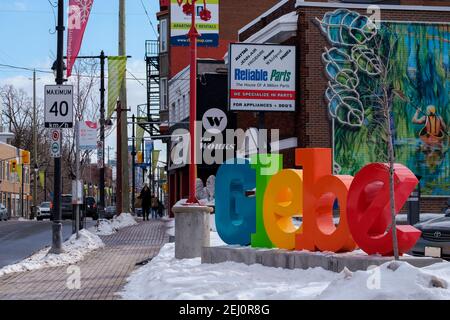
column 86, row 107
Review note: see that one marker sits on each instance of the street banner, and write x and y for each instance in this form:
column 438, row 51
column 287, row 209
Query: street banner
column 79, row 11
column 42, row 178
column 139, row 137
column 88, row 135
column 181, row 23
column 117, row 66
column 148, row 151
column 19, row 172
column 155, row 159
column 262, row 77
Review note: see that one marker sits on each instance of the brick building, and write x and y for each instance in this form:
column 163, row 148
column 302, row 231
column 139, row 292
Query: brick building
column 11, row 184
column 295, row 23
column 233, row 15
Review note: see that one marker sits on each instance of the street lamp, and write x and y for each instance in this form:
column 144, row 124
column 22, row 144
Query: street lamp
column 55, row 69
column 36, row 171
column 189, row 8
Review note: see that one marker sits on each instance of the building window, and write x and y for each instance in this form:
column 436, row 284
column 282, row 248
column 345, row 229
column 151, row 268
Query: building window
column 163, row 33
column 164, row 95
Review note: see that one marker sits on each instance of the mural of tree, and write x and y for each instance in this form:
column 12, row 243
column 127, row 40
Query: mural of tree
column 358, row 67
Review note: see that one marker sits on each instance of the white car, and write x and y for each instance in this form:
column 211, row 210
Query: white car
column 3, row 213
column 44, row 211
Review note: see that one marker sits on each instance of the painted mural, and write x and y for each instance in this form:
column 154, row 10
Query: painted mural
column 411, row 60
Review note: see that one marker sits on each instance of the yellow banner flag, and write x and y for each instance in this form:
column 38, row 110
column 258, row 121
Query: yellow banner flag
column 42, row 178
column 117, row 66
column 155, row 159
column 139, row 138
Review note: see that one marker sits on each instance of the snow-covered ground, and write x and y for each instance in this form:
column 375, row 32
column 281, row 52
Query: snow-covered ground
column 168, row 278
column 74, row 251
column 108, row 227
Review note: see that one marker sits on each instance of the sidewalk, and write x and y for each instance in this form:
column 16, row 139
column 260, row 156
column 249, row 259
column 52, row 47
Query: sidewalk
column 103, row 273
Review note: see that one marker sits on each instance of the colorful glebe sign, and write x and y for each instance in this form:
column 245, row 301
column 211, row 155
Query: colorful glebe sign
column 262, row 77
column 266, row 220
column 181, row 23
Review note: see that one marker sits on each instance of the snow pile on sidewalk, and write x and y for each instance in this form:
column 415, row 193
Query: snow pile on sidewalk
column 108, row 227
column 168, row 278
column 74, row 251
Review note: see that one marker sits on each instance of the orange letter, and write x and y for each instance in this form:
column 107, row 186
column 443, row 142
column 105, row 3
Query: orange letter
column 282, row 201
column 320, row 191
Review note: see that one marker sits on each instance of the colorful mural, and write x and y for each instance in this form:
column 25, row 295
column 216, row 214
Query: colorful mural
column 416, row 59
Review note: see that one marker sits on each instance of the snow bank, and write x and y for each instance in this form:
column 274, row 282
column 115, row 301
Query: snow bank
column 168, row 278
column 108, row 227
column 392, row 280
column 74, row 251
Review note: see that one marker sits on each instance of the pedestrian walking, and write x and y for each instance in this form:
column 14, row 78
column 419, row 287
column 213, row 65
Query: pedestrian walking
column 146, row 199
column 160, row 209
column 155, row 206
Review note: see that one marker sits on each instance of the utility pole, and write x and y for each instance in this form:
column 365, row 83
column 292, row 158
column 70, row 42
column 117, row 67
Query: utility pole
column 102, row 133
column 35, row 153
column 57, row 217
column 133, row 154
column 77, row 160
column 21, row 190
column 123, row 155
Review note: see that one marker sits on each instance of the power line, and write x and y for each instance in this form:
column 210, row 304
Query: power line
column 136, row 78
column 149, row 20
column 51, row 72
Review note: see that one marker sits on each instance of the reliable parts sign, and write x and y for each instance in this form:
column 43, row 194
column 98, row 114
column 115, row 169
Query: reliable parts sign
column 262, row 77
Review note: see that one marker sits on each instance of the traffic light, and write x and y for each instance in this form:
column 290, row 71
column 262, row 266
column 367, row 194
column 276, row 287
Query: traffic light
column 140, row 157
column 13, row 166
column 25, row 156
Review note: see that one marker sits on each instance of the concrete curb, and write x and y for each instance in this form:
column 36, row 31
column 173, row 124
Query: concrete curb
column 303, row 259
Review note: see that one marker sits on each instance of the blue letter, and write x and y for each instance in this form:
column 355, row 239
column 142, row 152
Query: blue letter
column 235, row 210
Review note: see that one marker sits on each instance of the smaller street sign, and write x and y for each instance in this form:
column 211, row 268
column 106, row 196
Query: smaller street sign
column 100, row 155
column 55, row 143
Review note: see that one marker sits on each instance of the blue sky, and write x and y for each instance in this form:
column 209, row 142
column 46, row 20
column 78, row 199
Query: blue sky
column 26, row 40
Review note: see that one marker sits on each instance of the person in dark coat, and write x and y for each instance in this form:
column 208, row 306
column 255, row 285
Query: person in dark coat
column 146, row 198
column 154, row 203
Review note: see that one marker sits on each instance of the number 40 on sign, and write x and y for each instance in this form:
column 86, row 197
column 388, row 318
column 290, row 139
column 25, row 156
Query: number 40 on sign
column 58, row 106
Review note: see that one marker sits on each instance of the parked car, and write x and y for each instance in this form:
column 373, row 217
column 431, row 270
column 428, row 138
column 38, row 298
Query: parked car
column 66, row 206
column 90, row 206
column 3, row 212
column 435, row 238
column 109, row 212
column 44, row 211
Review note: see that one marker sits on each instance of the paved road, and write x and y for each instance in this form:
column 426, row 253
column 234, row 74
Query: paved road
column 20, row 239
column 103, row 273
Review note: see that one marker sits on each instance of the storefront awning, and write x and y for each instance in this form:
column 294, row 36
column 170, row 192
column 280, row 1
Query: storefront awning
column 277, row 31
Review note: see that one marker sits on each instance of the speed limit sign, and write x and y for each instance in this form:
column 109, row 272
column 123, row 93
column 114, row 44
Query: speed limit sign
column 58, row 106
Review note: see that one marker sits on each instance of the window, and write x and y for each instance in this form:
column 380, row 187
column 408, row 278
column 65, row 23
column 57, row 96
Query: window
column 163, row 33
column 163, row 94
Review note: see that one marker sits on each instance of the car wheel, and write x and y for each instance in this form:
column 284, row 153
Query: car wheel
column 39, row 219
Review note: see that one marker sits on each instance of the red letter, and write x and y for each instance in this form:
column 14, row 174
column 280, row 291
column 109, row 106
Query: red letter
column 368, row 209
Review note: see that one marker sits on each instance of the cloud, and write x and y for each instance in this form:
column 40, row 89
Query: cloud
column 20, row 6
